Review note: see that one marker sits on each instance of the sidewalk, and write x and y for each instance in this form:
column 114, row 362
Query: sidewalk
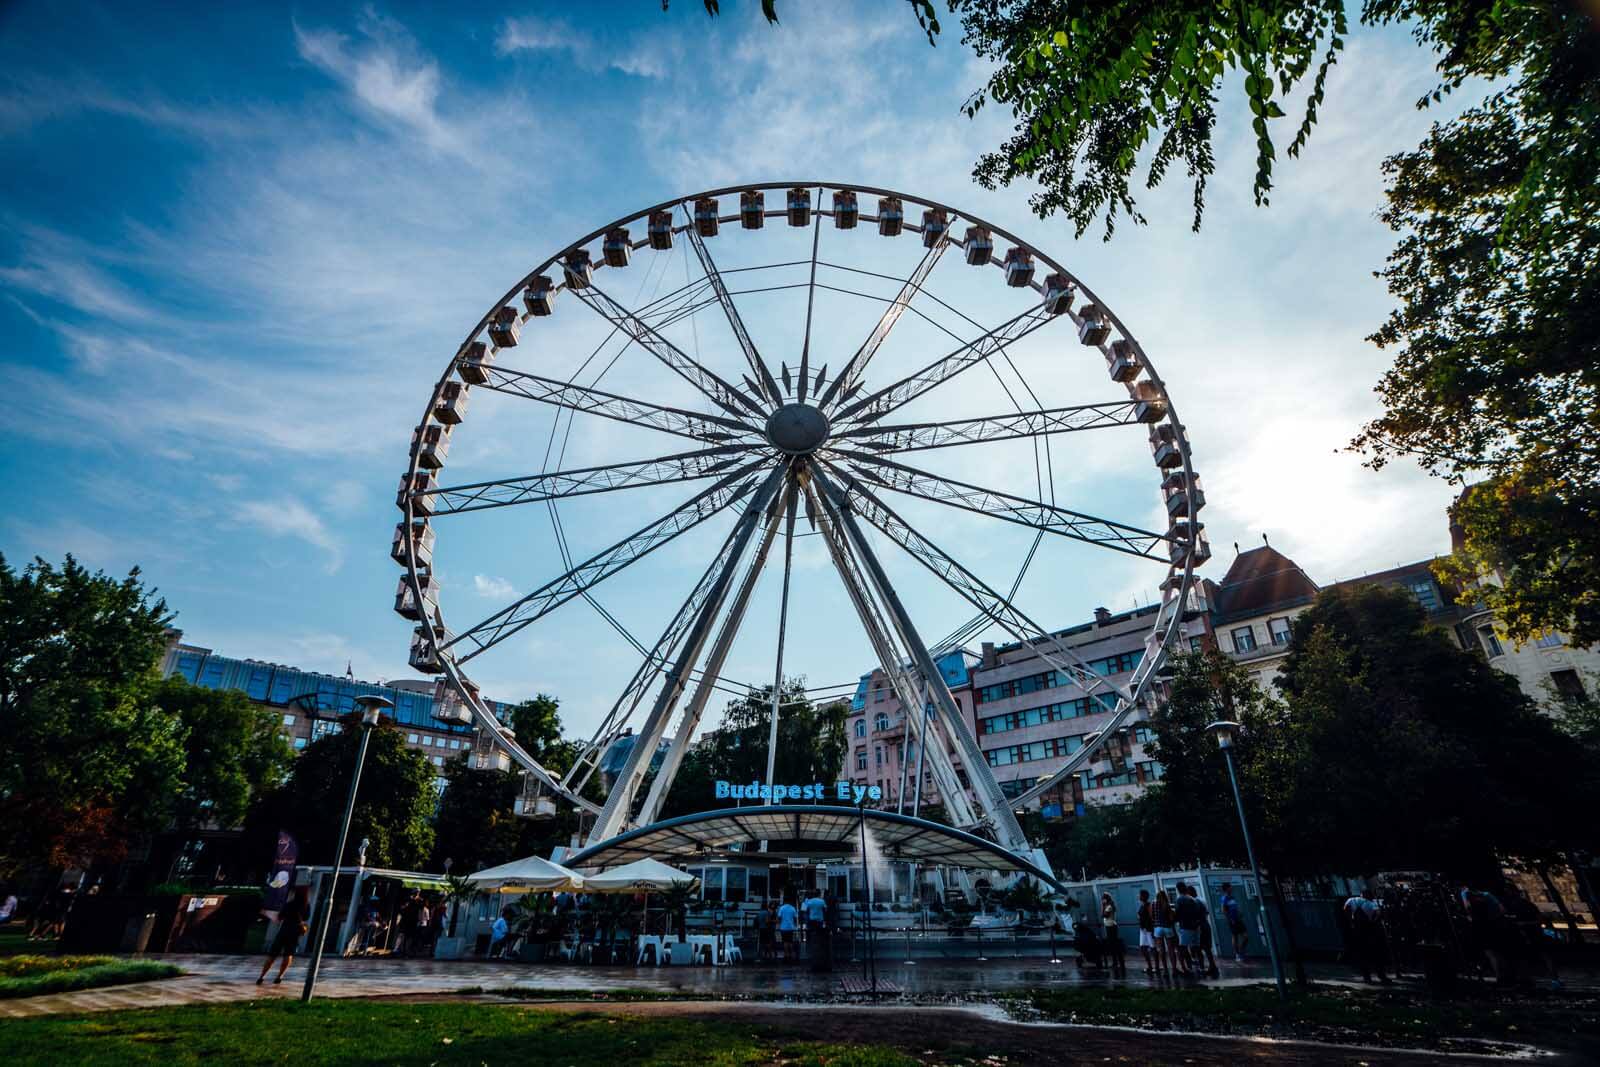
column 212, row 979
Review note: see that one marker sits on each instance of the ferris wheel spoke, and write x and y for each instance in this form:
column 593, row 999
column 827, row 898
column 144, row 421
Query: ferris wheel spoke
column 583, row 481
column 924, row 435
column 951, row 720
column 714, row 388
column 804, row 381
column 597, row 568
column 1035, row 514
column 969, row 586
column 693, row 424
column 848, row 379
column 875, row 406
column 656, row 661
column 752, row 357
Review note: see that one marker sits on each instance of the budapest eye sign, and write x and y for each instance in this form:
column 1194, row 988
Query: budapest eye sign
column 815, row 791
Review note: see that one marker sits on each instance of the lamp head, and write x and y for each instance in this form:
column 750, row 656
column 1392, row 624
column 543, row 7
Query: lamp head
column 1225, row 731
column 372, row 708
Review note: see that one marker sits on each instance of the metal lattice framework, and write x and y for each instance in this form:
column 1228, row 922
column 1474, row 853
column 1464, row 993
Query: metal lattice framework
column 777, row 438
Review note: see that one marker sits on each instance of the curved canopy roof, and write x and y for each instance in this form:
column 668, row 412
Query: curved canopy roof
column 810, row 829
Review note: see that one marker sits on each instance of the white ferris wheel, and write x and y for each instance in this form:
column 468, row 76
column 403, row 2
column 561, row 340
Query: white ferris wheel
column 825, row 423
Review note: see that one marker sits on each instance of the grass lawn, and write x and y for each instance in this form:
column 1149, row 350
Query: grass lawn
column 30, row 976
column 1398, row 1016
column 349, row 1032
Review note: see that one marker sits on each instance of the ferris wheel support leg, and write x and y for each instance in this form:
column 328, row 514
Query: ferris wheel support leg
column 619, row 802
column 909, row 690
column 673, row 758
column 995, row 803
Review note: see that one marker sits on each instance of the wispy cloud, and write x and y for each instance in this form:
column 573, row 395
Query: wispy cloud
column 385, row 73
column 493, row 588
column 536, row 33
column 288, row 517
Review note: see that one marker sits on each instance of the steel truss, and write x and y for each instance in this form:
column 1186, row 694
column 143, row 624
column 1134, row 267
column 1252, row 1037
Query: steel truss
column 836, row 478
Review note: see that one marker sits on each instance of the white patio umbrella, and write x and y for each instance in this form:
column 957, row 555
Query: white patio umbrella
column 527, row 875
column 641, row 876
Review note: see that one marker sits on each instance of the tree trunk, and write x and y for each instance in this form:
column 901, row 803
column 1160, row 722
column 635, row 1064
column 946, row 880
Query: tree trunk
column 1573, row 933
column 1290, row 945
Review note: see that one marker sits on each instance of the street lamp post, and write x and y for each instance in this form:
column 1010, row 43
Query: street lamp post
column 372, row 708
column 1226, row 733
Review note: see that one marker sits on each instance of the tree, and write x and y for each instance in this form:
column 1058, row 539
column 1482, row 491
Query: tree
column 234, row 751
column 394, row 805
column 1387, row 715
column 538, row 725
column 90, row 758
column 811, row 747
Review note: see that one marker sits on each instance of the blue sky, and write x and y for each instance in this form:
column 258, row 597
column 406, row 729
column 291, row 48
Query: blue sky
column 237, row 249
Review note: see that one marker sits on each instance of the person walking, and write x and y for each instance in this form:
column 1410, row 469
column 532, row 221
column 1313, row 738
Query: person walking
column 788, row 925
column 1114, row 945
column 1147, row 935
column 1165, row 932
column 1235, row 920
column 291, row 927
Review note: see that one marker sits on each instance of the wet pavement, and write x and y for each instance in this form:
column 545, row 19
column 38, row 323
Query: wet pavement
column 212, row 979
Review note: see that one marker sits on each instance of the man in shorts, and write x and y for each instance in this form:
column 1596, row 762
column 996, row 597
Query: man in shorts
column 1147, row 932
column 788, row 923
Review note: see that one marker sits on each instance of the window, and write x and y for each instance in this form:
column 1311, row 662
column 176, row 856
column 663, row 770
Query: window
column 736, row 879
column 1491, row 643
column 288, row 720
column 1548, row 639
column 877, row 753
column 861, row 727
column 411, row 738
column 1427, row 594
column 1569, row 687
column 1143, row 734
column 438, row 761
column 1066, row 709
column 1151, row 770
column 1244, row 639
column 756, row 882
column 427, row 739
column 1034, row 750
column 1195, row 645
column 880, row 722
column 861, row 759
column 877, row 696
column 1279, row 630
column 299, row 743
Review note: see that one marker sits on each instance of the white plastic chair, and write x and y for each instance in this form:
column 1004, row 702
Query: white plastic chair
column 730, row 949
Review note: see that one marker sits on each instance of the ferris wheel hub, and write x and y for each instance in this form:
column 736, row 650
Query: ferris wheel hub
column 797, row 429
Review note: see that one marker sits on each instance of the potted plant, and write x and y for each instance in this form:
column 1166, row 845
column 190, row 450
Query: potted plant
column 457, row 893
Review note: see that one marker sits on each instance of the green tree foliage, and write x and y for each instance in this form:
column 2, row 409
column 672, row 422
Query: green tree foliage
column 394, row 806
column 477, row 825
column 1497, row 322
column 234, row 751
column 538, row 725
column 89, row 756
column 811, row 747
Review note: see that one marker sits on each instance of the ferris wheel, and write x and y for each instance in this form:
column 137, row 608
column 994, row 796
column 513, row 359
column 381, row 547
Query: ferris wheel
column 821, row 421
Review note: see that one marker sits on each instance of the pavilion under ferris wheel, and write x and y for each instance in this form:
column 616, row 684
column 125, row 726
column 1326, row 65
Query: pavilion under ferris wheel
column 811, row 434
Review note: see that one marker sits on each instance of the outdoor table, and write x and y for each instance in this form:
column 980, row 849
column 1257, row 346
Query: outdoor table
column 708, row 942
column 651, row 939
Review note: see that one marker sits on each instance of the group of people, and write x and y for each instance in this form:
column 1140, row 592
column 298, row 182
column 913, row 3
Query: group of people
column 49, row 915
column 1175, row 931
column 780, row 923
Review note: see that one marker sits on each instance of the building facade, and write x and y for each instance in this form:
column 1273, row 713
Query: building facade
column 311, row 704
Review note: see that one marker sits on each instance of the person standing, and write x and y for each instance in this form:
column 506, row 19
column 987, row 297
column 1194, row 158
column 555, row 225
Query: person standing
column 1235, row 920
column 1366, row 935
column 1188, row 916
column 1165, row 932
column 8, row 908
column 815, row 910
column 291, row 927
column 1147, row 936
column 788, row 924
column 767, row 932
column 1118, row 952
column 1202, row 950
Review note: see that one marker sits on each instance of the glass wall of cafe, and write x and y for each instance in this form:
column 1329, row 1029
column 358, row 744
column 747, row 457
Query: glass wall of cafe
column 745, row 882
